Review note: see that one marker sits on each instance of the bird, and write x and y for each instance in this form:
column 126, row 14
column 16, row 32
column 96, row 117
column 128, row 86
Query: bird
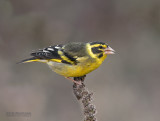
column 73, row 59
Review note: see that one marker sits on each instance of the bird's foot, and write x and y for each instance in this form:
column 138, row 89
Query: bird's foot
column 78, row 82
column 81, row 78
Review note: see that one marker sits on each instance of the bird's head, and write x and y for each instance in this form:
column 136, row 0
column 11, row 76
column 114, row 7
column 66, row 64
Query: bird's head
column 100, row 49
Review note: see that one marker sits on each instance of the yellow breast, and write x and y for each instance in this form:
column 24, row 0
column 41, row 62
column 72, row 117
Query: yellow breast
column 85, row 66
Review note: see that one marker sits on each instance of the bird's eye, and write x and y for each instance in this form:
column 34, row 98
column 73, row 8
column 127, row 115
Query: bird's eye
column 100, row 47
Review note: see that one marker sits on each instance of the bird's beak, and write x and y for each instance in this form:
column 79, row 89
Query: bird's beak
column 109, row 50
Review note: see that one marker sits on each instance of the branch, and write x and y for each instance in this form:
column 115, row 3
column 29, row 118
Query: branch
column 82, row 93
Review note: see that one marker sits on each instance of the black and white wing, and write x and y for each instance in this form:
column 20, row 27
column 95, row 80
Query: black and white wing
column 50, row 52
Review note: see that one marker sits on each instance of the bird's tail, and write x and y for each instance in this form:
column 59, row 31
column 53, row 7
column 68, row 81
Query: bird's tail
column 33, row 59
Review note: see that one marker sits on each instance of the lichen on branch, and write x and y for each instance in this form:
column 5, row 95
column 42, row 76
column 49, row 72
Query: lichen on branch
column 82, row 94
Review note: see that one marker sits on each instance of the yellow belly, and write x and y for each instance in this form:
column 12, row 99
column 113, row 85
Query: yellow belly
column 82, row 68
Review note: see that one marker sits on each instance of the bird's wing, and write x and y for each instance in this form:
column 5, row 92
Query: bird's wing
column 50, row 52
column 54, row 53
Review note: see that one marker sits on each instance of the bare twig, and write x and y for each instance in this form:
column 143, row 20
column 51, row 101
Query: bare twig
column 82, row 93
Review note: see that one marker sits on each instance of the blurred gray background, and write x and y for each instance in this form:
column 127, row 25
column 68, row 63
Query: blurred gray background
column 127, row 85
